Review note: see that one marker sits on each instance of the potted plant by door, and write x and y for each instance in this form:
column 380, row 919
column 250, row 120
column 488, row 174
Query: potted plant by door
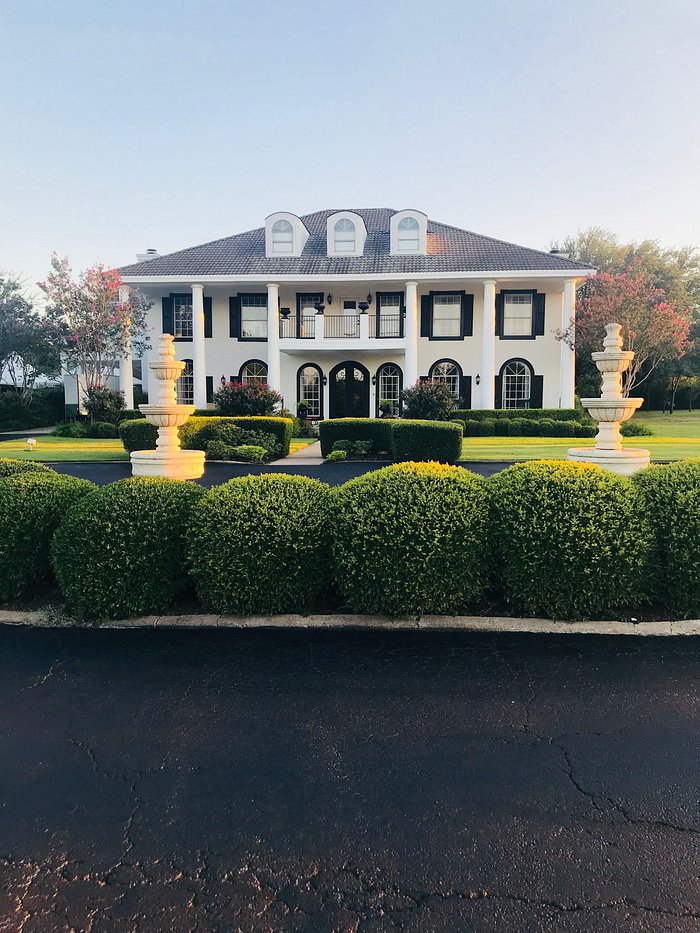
column 302, row 411
column 386, row 407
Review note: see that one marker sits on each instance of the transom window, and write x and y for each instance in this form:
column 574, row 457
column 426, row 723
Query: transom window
column 447, row 315
column 184, row 386
column 254, row 373
column 182, row 317
column 310, row 390
column 282, row 238
column 344, row 236
column 408, row 235
column 517, row 385
column 389, row 387
column 448, row 373
column 254, row 317
column 517, row 315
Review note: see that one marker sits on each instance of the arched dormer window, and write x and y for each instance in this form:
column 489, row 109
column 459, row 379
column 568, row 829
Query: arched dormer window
column 285, row 235
column 408, row 233
column 345, row 234
column 282, row 238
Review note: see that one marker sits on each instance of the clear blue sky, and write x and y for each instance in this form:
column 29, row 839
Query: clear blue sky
column 167, row 123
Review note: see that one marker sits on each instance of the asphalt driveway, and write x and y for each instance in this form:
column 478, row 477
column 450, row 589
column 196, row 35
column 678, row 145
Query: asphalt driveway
column 311, row 781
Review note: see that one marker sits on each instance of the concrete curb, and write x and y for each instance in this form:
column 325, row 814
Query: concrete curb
column 376, row 623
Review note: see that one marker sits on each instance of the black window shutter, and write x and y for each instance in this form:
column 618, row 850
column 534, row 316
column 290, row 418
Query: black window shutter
column 497, row 400
column 536, row 390
column 499, row 317
column 207, row 317
column 426, row 308
column 538, row 310
column 424, row 379
column 210, row 389
column 467, row 315
column 465, row 391
column 168, row 316
column 234, row 317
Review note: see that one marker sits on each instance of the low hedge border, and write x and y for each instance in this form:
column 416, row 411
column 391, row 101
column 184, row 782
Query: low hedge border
column 534, row 414
column 197, row 432
column 403, row 439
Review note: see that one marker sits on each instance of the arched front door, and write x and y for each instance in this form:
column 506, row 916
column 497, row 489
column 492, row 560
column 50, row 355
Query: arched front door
column 349, row 391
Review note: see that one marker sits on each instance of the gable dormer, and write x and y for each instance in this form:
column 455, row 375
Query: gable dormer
column 408, row 233
column 345, row 234
column 285, row 235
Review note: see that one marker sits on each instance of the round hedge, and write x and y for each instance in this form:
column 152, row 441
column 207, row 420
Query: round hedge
column 32, row 505
column 259, row 544
column 120, row 551
column 10, row 467
column 671, row 496
column 569, row 539
column 411, row 538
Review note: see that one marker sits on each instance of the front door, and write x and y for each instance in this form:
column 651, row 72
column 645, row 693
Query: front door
column 349, row 391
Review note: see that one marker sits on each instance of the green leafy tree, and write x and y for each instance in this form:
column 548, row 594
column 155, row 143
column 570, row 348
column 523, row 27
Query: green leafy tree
column 28, row 343
column 428, row 400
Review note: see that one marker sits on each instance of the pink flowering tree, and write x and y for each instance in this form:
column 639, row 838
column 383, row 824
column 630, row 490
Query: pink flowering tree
column 653, row 326
column 95, row 328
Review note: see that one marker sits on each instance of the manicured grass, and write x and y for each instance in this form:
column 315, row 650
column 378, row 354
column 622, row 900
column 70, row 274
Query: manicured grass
column 298, row 442
column 679, row 424
column 64, row 448
column 555, row 448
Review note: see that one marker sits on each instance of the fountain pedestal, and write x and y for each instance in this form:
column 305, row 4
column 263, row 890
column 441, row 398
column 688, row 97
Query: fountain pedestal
column 610, row 410
column 168, row 459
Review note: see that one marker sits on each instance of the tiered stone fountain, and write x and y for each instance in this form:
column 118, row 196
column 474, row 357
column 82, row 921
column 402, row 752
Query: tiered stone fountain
column 610, row 410
column 167, row 459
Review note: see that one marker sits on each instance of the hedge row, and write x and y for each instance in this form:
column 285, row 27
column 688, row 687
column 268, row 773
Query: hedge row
column 197, row 432
column 533, row 414
column 558, row 539
column 402, row 439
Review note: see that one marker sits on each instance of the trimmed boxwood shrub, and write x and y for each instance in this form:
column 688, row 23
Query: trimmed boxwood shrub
column 376, row 430
column 259, row 544
column 671, row 499
column 410, row 539
column 138, row 435
column 515, row 427
column 120, row 551
column 552, row 414
column 197, row 432
column 530, row 427
column 583, row 430
column 426, row 440
column 570, row 539
column 103, row 429
column 31, row 506
column 635, row 429
column 9, row 467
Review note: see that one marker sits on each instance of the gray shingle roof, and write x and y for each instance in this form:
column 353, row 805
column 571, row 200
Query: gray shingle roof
column 449, row 249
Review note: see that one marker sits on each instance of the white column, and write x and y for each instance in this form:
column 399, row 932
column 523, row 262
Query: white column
column 410, row 375
column 568, row 357
column 274, row 366
column 199, row 358
column 488, row 347
column 126, row 377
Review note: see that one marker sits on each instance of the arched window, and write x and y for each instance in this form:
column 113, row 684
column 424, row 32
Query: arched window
column 450, row 373
column 254, row 372
column 185, row 385
column 344, row 236
column 282, row 238
column 309, row 389
column 389, row 385
column 516, row 384
column 408, row 235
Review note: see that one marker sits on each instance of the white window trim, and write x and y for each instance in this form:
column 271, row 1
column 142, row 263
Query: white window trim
column 360, row 234
column 396, row 219
column 299, row 235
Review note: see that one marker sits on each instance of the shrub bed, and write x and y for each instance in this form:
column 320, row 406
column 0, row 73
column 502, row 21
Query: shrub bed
column 534, row 414
column 138, row 435
column 376, row 430
column 671, row 500
column 119, row 552
column 198, row 432
column 32, row 505
column 10, row 467
column 426, row 440
column 259, row 544
column 410, row 538
column 569, row 539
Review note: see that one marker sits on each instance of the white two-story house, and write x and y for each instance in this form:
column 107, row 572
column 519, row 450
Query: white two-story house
column 342, row 309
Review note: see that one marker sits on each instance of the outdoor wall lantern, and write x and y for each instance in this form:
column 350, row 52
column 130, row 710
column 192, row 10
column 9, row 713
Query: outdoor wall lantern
column 223, row 380
column 374, row 380
column 325, row 380
column 478, row 379
column 320, row 308
column 369, row 298
column 363, row 305
column 329, row 299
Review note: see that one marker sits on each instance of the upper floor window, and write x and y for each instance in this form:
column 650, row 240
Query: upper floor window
column 344, row 236
column 254, row 317
column 447, row 310
column 182, row 317
column 282, row 238
column 408, row 235
column 517, row 314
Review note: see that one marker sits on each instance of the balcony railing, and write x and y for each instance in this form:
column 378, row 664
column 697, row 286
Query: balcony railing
column 340, row 326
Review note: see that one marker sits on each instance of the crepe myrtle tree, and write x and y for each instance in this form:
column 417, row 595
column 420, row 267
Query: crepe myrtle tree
column 95, row 327
column 653, row 326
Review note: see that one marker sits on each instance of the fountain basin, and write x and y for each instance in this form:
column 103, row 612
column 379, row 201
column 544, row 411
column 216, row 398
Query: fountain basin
column 625, row 462
column 167, row 371
column 612, row 361
column 167, row 416
column 176, row 464
column 611, row 409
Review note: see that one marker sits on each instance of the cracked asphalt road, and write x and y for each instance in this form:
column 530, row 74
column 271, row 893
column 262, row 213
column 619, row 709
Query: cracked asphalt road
column 346, row 781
